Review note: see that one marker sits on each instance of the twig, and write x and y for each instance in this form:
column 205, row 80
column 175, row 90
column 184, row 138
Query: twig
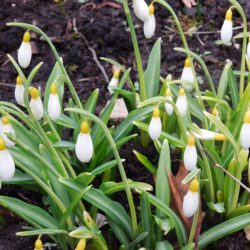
column 7, row 84
column 91, row 50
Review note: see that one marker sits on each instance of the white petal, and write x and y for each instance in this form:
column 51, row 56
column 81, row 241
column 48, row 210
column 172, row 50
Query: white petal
column 154, row 128
column 245, row 136
column 19, row 93
column 7, row 129
column 113, row 84
column 205, row 134
column 190, row 203
column 149, row 27
column 84, row 147
column 7, row 165
column 36, row 107
column 141, row 9
column 227, row 31
column 54, row 107
column 169, row 107
column 190, row 157
column 182, row 104
column 187, row 75
column 24, row 55
column 248, row 50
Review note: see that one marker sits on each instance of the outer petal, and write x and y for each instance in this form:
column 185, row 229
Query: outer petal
column 248, row 50
column 169, row 107
column 7, row 166
column 84, row 147
column 141, row 9
column 36, row 107
column 19, row 93
column 113, row 84
column 187, row 75
column 226, row 31
column 54, row 107
column 149, row 27
column 190, row 157
column 205, row 134
column 24, row 55
column 190, row 203
column 7, row 129
column 154, row 128
column 182, row 104
column 245, row 136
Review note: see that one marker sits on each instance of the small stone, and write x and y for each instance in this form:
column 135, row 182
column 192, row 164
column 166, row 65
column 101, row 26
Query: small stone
column 247, row 232
column 120, row 110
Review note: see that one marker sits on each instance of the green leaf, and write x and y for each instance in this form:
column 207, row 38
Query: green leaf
column 129, row 98
column 217, row 207
column 240, row 210
column 233, row 86
column 191, row 176
column 64, row 145
column 42, row 232
column 82, row 233
column 223, row 84
column 67, row 122
column 92, row 101
column 163, row 245
column 165, row 224
column 189, row 246
column 19, row 179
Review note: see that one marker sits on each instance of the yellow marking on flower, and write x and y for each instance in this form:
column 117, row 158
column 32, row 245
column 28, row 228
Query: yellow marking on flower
column 247, row 117
column 19, row 80
column 156, row 113
column 81, row 244
column 2, row 144
column 53, row 89
column 215, row 112
column 168, row 92
column 229, row 15
column 191, row 140
column 194, row 186
column 219, row 137
column 187, row 63
column 151, row 9
column 26, row 37
column 34, row 93
column 38, row 244
column 5, row 120
column 85, row 127
column 182, row 92
column 116, row 74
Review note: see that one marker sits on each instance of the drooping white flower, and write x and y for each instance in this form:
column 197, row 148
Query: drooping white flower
column 169, row 107
column 155, row 125
column 141, row 9
column 81, row 245
column 7, row 165
column 150, row 24
column 227, row 28
column 38, row 244
column 191, row 199
column 182, row 103
column 248, row 49
column 190, row 154
column 6, row 128
column 245, row 132
column 25, row 52
column 19, row 90
column 187, row 74
column 114, row 81
column 36, row 104
column 84, row 146
column 54, row 107
column 209, row 135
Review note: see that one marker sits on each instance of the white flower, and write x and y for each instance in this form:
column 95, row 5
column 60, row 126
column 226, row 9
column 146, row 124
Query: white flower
column 187, row 74
column 141, row 9
column 25, row 52
column 248, row 49
column 182, row 103
column 6, row 128
column 7, row 165
column 54, row 107
column 227, row 28
column 19, row 90
column 81, row 245
column 209, row 135
column 36, row 104
column 169, row 107
column 150, row 24
column 245, row 132
column 84, row 146
column 154, row 128
column 191, row 199
column 114, row 81
column 190, row 154
column 38, row 244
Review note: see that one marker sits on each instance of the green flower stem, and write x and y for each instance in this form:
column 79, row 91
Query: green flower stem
column 117, row 156
column 244, row 45
column 143, row 94
column 194, row 225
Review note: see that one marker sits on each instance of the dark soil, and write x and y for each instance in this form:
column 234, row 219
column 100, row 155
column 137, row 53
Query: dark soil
column 103, row 24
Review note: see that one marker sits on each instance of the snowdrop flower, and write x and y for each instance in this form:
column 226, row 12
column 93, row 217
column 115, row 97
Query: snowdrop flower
column 114, row 81
column 6, row 128
column 154, row 128
column 36, row 104
column 187, row 74
column 245, row 132
column 19, row 90
column 227, row 28
column 54, row 107
column 38, row 244
column 209, row 135
column 141, row 9
column 7, row 165
column 248, row 49
column 84, row 147
column 190, row 154
column 25, row 52
column 150, row 24
column 182, row 103
column 169, row 107
column 81, row 245
column 191, row 199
